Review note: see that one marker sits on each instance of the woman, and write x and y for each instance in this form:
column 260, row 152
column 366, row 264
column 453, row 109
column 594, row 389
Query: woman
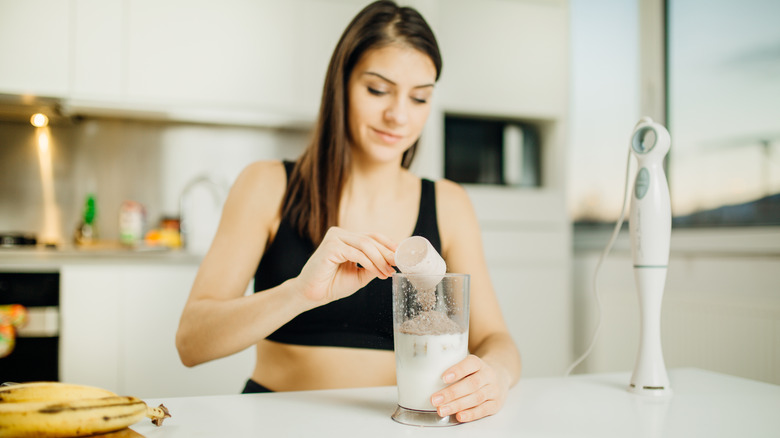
column 319, row 236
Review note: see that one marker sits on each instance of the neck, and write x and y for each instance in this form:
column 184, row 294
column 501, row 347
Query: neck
column 370, row 183
column 374, row 178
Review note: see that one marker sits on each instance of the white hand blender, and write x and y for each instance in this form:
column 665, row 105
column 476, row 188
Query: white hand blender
column 650, row 226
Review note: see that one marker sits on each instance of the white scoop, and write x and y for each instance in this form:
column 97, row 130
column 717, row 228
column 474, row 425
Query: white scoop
column 416, row 255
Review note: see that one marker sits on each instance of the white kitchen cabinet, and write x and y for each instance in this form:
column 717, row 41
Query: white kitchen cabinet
column 152, row 305
column 98, row 57
column 527, row 242
column 118, row 331
column 89, row 325
column 507, row 58
column 204, row 52
column 34, row 47
column 252, row 55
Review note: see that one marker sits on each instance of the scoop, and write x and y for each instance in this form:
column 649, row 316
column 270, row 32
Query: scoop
column 416, row 255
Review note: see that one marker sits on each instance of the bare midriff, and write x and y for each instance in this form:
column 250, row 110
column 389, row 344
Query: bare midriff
column 286, row 367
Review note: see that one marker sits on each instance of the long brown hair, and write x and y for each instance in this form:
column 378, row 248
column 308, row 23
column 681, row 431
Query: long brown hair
column 314, row 190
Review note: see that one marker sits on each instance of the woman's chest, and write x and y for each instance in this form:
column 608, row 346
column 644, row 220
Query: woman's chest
column 396, row 220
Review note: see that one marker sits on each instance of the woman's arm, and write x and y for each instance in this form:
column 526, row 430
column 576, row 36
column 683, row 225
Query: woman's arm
column 481, row 381
column 218, row 319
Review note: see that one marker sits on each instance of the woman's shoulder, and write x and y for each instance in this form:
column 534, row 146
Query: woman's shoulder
column 451, row 195
column 270, row 175
column 454, row 212
column 260, row 185
column 265, row 169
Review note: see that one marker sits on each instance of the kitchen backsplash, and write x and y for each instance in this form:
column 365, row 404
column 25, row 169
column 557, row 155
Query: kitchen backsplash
column 117, row 160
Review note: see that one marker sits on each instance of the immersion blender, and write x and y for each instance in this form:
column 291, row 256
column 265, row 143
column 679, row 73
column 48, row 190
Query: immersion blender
column 650, row 225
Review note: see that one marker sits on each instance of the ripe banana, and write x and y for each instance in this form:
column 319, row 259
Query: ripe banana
column 50, row 391
column 52, row 409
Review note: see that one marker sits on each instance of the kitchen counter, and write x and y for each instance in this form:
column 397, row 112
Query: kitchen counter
column 704, row 404
column 37, row 259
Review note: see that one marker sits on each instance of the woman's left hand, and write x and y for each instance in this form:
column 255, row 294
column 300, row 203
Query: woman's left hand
column 476, row 390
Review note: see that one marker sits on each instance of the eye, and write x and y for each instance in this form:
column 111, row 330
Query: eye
column 376, row 92
column 419, row 100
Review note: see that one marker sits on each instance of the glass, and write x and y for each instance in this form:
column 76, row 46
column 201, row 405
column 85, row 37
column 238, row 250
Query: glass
column 430, row 329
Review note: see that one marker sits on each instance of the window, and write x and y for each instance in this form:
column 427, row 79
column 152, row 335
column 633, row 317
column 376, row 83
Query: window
column 722, row 109
column 604, row 50
column 723, row 99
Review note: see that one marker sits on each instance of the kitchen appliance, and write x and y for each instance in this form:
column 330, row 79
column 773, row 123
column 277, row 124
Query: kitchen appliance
column 650, row 234
column 650, row 226
column 36, row 353
column 508, row 152
column 16, row 239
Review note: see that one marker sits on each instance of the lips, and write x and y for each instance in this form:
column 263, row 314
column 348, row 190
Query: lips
column 388, row 137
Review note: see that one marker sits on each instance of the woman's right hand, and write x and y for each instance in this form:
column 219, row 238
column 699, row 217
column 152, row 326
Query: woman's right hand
column 332, row 272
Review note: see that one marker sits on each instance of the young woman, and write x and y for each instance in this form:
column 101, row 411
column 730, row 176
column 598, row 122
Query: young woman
column 318, row 237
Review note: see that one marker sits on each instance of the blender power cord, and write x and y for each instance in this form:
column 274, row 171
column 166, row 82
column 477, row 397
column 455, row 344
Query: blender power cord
column 603, row 256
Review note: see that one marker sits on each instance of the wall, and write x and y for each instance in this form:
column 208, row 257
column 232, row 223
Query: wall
column 148, row 162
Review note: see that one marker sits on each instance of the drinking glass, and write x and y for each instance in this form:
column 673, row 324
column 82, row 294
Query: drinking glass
column 431, row 331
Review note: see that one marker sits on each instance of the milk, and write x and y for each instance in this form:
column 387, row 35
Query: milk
column 420, row 363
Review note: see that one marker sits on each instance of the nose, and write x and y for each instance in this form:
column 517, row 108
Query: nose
column 397, row 113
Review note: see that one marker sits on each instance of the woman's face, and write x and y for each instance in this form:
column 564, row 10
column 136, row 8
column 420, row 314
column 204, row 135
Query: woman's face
column 389, row 92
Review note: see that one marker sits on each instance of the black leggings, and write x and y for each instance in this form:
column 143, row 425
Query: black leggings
column 253, row 387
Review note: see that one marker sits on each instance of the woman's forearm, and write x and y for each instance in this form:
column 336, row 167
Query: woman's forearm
column 211, row 328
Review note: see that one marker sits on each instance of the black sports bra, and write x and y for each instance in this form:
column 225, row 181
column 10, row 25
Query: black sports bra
column 361, row 320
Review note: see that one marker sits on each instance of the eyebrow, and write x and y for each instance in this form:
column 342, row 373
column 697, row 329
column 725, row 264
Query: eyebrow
column 392, row 82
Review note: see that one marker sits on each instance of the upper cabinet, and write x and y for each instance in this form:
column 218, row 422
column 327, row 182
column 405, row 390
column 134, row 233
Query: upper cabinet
column 34, row 47
column 203, row 58
column 98, row 51
column 224, row 60
column 231, row 52
column 507, row 58
column 501, row 57
column 267, row 55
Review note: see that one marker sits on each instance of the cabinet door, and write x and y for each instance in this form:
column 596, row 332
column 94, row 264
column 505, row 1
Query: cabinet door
column 205, row 52
column 262, row 55
column 504, row 58
column 530, row 273
column 97, row 50
column 319, row 24
column 118, row 332
column 151, row 304
column 89, row 327
column 34, row 47
column 527, row 242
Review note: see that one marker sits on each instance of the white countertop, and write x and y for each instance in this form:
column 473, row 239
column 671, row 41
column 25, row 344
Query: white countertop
column 41, row 259
column 704, row 404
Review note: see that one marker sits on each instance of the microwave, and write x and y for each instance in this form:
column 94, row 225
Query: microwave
column 490, row 150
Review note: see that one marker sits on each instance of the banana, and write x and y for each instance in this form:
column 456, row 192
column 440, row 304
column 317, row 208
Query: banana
column 50, row 391
column 76, row 417
column 55, row 409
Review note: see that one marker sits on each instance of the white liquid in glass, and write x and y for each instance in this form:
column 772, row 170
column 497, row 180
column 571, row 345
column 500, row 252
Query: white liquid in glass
column 420, row 362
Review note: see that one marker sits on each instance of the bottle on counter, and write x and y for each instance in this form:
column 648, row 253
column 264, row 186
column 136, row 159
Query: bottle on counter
column 132, row 219
column 86, row 232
